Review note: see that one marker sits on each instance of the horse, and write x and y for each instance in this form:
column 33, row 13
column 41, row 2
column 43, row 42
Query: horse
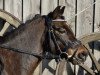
column 42, row 34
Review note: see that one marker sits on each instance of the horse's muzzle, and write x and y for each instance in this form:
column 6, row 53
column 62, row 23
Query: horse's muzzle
column 80, row 58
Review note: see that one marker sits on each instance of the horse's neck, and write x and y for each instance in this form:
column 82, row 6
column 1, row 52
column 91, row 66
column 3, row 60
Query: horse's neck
column 29, row 37
column 32, row 62
column 29, row 40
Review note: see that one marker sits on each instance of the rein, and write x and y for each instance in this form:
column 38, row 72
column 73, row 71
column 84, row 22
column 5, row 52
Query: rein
column 40, row 56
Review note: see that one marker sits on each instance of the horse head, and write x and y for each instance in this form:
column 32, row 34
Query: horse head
column 68, row 43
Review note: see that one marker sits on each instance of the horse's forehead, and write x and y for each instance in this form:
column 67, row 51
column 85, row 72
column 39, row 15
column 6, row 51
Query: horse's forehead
column 59, row 23
column 63, row 25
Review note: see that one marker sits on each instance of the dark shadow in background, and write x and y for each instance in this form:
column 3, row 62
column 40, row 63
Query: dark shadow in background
column 95, row 45
column 80, row 71
column 68, row 67
column 1, row 23
column 45, row 63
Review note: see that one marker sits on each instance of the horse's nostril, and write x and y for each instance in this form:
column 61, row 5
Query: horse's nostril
column 85, row 53
column 82, row 56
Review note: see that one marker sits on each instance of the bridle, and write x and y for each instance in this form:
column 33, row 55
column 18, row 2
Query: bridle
column 51, row 35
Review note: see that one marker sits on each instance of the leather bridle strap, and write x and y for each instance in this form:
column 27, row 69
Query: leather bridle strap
column 51, row 35
column 40, row 56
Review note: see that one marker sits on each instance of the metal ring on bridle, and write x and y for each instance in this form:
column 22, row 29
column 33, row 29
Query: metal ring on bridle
column 63, row 55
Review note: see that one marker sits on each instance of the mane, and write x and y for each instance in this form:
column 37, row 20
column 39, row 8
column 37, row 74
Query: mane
column 13, row 33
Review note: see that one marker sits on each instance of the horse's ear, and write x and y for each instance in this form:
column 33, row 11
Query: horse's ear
column 57, row 9
column 57, row 13
column 62, row 10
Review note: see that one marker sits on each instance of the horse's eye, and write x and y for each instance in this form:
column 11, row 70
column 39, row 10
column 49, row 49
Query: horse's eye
column 59, row 29
column 62, row 30
column 56, row 27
